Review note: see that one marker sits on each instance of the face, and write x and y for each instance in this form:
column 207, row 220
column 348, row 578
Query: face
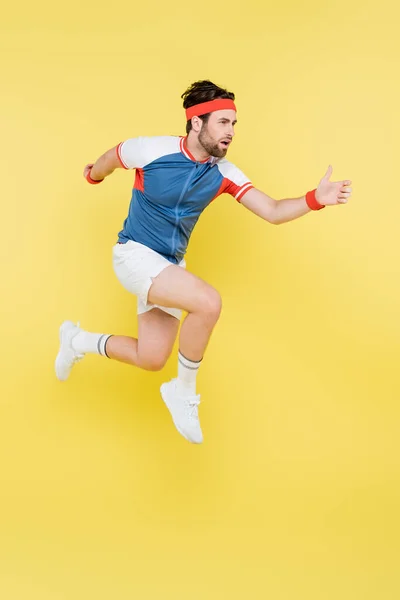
column 217, row 134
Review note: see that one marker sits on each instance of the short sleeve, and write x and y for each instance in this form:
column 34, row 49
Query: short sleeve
column 136, row 153
column 131, row 153
column 235, row 182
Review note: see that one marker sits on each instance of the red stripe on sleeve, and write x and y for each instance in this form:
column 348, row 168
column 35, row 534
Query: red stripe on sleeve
column 123, row 165
column 245, row 188
column 226, row 187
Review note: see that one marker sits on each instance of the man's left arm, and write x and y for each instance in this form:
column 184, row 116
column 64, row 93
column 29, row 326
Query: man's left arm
column 328, row 193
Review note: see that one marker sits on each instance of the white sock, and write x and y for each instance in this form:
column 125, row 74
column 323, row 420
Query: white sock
column 187, row 373
column 95, row 343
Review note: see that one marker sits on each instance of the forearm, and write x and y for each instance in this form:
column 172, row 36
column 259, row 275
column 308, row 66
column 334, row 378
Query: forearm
column 101, row 168
column 279, row 211
column 289, row 209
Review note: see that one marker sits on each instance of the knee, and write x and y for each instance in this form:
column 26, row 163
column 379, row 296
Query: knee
column 152, row 362
column 211, row 304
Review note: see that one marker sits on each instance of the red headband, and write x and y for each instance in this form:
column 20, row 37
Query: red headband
column 207, row 107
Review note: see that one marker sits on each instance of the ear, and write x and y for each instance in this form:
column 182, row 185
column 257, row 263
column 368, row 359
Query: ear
column 196, row 124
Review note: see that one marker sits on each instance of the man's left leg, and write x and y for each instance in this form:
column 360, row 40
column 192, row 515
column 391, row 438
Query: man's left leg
column 157, row 331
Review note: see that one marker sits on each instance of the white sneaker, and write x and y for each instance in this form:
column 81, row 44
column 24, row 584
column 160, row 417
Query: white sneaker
column 184, row 412
column 67, row 357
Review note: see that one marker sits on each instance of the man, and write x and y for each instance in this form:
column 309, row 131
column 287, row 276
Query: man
column 176, row 178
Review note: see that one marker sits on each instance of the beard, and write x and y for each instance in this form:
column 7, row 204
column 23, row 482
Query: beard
column 210, row 145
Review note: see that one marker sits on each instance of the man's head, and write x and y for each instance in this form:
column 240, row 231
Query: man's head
column 214, row 130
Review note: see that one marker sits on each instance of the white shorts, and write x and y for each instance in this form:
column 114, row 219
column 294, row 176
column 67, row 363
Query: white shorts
column 136, row 266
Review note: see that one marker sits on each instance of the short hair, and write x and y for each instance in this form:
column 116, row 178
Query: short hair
column 203, row 91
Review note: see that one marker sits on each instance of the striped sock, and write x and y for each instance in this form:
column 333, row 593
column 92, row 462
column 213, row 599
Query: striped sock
column 187, row 373
column 94, row 343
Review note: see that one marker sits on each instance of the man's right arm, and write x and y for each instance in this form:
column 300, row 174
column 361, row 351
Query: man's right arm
column 104, row 166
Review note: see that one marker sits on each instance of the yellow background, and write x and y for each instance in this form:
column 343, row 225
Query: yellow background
column 295, row 493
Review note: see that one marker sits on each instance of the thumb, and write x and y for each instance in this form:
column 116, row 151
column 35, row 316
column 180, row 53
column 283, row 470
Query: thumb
column 328, row 173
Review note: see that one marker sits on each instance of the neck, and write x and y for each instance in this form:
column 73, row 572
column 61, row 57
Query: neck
column 196, row 149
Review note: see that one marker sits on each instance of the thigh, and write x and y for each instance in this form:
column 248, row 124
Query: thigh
column 178, row 288
column 157, row 331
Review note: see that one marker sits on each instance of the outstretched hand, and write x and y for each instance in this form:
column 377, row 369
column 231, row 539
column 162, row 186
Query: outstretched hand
column 332, row 192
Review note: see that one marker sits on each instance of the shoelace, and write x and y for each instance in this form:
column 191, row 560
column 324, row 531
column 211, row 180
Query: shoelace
column 191, row 405
column 78, row 357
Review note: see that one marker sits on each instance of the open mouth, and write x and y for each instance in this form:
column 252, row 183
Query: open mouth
column 225, row 143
